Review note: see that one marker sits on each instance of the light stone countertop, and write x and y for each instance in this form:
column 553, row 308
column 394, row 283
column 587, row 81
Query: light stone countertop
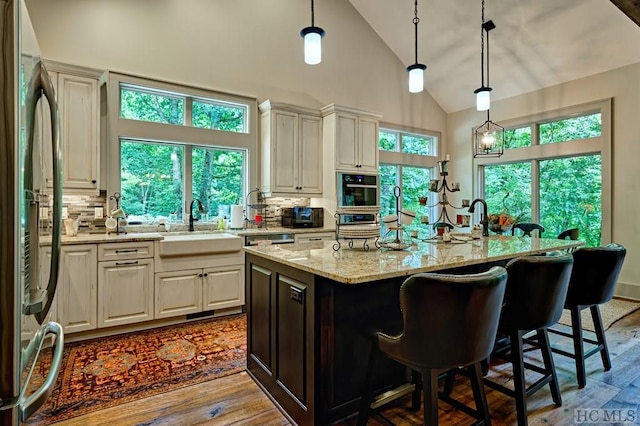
column 354, row 266
column 97, row 238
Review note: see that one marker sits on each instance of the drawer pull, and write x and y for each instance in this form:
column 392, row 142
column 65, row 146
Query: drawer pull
column 126, row 251
column 135, row 262
column 315, row 239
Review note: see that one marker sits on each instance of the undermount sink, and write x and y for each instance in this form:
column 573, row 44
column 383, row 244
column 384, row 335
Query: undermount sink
column 190, row 244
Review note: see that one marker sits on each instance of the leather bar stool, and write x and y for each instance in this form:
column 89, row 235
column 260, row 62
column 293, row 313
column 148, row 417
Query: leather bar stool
column 527, row 228
column 572, row 234
column 593, row 281
column 534, row 298
column 448, row 321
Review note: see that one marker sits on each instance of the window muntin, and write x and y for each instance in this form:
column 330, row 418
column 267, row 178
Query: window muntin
column 152, row 177
column 583, row 127
column 149, row 105
column 219, row 115
column 217, row 179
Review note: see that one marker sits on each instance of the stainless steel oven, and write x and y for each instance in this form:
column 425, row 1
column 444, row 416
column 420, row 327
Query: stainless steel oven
column 358, row 190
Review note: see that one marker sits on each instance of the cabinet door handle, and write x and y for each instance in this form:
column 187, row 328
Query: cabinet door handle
column 126, row 251
column 93, row 181
column 135, row 262
column 296, row 294
column 200, row 275
column 206, row 274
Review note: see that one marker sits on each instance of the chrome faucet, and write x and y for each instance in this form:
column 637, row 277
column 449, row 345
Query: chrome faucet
column 484, row 219
column 200, row 210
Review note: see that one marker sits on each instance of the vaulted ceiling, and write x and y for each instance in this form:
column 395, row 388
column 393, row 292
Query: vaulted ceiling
column 536, row 43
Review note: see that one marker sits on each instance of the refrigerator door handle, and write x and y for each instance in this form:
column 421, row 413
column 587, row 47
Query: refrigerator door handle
column 31, row 403
column 40, row 85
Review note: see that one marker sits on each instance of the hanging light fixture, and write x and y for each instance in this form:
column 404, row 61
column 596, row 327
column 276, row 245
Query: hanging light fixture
column 483, row 93
column 489, row 137
column 416, row 71
column 312, row 41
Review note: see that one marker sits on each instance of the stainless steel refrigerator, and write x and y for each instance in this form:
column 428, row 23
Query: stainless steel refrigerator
column 28, row 208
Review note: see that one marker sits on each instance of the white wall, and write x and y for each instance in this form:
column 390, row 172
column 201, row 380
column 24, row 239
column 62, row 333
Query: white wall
column 623, row 85
column 248, row 47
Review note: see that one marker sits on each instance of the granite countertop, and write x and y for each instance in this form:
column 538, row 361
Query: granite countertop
column 353, row 266
column 86, row 238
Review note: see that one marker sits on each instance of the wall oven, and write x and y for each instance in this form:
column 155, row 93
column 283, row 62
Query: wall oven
column 358, row 190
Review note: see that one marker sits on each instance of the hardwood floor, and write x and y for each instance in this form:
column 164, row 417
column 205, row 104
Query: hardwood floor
column 237, row 400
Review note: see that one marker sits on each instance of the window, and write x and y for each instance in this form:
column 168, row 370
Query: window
column 555, row 172
column 175, row 144
column 407, row 160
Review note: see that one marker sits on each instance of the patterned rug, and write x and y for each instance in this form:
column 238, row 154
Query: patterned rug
column 610, row 312
column 104, row 372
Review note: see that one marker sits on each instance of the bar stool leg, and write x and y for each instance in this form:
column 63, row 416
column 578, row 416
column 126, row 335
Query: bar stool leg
column 597, row 323
column 430, row 389
column 545, row 348
column 518, row 377
column 578, row 346
column 416, row 379
column 479, row 395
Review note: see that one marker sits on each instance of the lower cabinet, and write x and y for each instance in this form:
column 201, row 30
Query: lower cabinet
column 77, row 291
column 125, row 283
column 125, row 291
column 196, row 290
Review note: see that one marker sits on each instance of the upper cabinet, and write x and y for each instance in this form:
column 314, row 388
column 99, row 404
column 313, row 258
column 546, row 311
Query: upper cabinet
column 354, row 136
column 291, row 150
column 78, row 95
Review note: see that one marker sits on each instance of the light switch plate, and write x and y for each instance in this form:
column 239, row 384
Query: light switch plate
column 65, row 213
column 98, row 212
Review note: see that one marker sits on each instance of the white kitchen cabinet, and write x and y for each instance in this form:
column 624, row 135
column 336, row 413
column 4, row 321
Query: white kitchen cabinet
column 291, row 150
column 125, row 283
column 196, row 290
column 77, row 295
column 354, row 136
column 78, row 95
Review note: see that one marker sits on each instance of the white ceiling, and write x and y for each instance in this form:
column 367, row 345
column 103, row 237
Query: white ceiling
column 536, row 43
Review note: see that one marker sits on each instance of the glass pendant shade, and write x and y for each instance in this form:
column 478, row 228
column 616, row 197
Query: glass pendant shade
column 416, row 77
column 312, row 44
column 483, row 98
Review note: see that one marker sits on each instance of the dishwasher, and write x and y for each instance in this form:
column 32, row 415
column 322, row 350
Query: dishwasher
column 284, row 238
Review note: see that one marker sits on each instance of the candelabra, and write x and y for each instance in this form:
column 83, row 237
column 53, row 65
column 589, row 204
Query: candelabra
column 442, row 187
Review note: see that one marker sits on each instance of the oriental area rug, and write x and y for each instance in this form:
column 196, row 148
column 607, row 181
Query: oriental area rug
column 612, row 311
column 101, row 373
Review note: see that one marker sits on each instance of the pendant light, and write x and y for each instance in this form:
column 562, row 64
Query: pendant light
column 312, row 41
column 483, row 93
column 488, row 137
column 416, row 71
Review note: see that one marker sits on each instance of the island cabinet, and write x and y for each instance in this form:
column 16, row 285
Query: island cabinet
column 291, row 150
column 353, row 134
column 307, row 339
column 125, row 283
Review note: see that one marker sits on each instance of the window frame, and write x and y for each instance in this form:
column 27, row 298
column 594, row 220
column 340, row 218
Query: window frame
column 122, row 128
column 573, row 148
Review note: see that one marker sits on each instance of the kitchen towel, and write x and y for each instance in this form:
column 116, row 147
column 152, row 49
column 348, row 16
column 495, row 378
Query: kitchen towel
column 237, row 216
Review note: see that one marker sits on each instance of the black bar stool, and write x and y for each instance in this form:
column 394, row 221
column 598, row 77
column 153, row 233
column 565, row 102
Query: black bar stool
column 593, row 281
column 448, row 321
column 536, row 291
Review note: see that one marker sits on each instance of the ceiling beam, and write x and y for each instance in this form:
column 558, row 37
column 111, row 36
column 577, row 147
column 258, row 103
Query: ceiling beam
column 631, row 8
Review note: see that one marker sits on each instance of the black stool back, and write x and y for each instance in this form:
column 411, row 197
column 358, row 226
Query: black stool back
column 448, row 321
column 527, row 228
column 593, row 281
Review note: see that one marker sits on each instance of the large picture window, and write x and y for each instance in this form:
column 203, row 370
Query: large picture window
column 555, row 172
column 176, row 144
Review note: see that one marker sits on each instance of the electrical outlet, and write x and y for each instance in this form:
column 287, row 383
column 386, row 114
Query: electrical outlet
column 278, row 211
column 98, row 212
column 65, row 213
column 44, row 212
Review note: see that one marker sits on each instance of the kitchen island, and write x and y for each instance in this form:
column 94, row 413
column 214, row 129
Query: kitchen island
column 308, row 307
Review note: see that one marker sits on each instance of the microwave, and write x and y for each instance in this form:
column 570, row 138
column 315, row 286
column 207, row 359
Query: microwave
column 303, row 217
